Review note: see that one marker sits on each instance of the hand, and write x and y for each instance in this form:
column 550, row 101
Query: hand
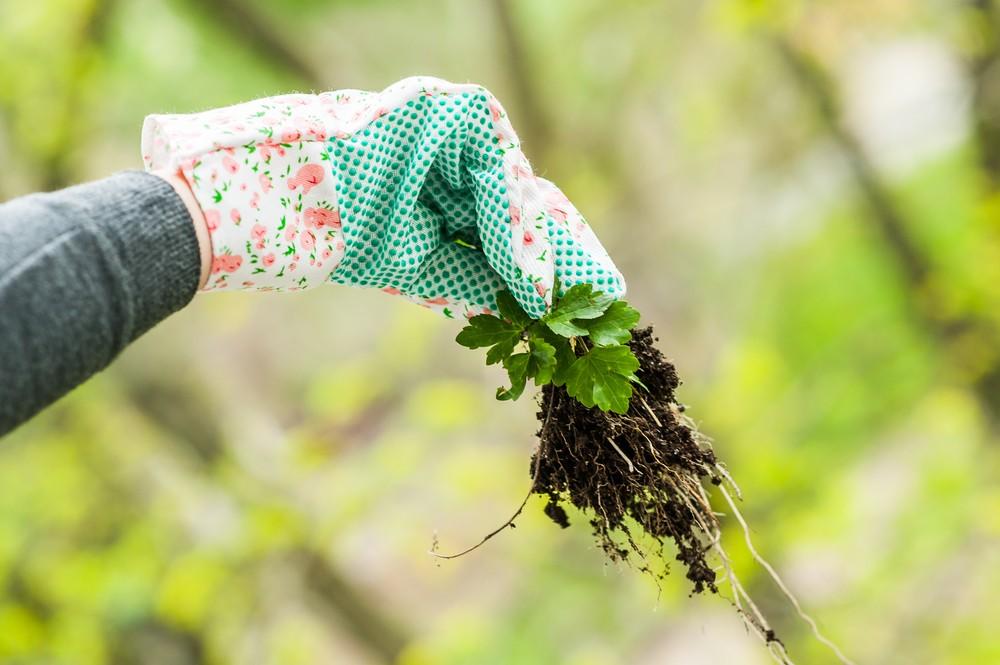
column 420, row 190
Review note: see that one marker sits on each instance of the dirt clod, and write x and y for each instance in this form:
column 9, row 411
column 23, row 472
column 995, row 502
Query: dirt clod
column 638, row 475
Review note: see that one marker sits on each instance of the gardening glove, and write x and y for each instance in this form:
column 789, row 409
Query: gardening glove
column 420, row 190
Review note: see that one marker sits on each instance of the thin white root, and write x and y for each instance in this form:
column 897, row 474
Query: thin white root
column 729, row 479
column 655, row 419
column 753, row 618
column 631, row 468
column 780, row 583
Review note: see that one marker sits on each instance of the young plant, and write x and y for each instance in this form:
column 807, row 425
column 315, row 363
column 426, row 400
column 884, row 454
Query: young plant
column 581, row 343
column 635, row 466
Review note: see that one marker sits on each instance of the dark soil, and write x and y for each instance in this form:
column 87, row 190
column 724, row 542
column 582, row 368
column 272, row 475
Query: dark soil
column 639, row 472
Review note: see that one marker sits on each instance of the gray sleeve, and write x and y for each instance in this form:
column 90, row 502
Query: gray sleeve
column 83, row 272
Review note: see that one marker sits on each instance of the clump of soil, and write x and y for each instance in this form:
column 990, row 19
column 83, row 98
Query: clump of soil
column 641, row 470
column 643, row 479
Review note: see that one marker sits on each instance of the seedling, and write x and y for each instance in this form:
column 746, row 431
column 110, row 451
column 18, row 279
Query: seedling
column 614, row 442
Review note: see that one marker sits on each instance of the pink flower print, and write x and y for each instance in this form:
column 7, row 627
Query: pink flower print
column 243, row 187
column 381, row 112
column 317, row 218
column 540, row 288
column 392, row 290
column 267, row 146
column 212, row 219
column 259, row 244
column 227, row 263
column 327, row 253
column 437, row 301
column 291, row 136
column 308, row 176
column 341, row 134
column 230, row 164
column 316, row 131
column 265, row 183
column 515, row 215
column 255, row 201
column 559, row 215
column 268, row 260
column 529, row 239
column 340, row 245
column 290, row 233
column 292, row 266
column 495, row 111
column 234, row 215
column 258, row 231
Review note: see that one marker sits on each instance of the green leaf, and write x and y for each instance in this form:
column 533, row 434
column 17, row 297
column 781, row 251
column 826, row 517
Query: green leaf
column 542, row 362
column 601, row 377
column 564, row 355
column 486, row 330
column 517, row 369
column 566, row 328
column 613, row 326
column 500, row 351
column 511, row 310
column 579, row 302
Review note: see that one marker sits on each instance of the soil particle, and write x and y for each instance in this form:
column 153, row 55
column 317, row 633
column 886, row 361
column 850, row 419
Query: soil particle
column 642, row 470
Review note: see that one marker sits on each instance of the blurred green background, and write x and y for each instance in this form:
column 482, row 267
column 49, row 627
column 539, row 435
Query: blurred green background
column 805, row 199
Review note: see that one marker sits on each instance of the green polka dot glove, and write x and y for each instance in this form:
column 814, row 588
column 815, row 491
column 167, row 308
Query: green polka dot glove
column 420, row 190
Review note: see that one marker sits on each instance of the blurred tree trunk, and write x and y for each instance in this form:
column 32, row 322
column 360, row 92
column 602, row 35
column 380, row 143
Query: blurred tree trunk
column 892, row 223
column 242, row 20
column 985, row 69
column 56, row 167
column 532, row 125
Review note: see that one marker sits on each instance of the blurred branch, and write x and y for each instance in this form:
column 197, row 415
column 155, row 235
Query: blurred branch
column 249, row 27
column 985, row 69
column 153, row 642
column 534, row 124
column 145, row 640
column 886, row 215
column 889, row 219
column 356, row 609
column 184, row 418
column 55, row 166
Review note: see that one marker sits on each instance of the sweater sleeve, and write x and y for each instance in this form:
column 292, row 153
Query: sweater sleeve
column 83, row 272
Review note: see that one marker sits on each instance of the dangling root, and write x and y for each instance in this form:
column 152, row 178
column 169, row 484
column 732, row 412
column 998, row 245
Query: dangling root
column 780, row 583
column 645, row 474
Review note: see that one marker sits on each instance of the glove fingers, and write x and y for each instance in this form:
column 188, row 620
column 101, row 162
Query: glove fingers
column 373, row 189
column 457, row 281
column 578, row 255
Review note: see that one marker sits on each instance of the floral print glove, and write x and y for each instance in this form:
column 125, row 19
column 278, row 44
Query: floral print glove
column 420, row 190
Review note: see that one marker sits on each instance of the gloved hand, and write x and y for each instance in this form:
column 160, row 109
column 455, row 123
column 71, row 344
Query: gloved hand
column 420, row 190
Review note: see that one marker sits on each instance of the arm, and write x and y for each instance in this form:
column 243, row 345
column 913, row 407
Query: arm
column 421, row 190
column 84, row 272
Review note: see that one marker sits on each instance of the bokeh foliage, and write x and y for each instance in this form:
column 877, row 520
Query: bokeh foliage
column 259, row 478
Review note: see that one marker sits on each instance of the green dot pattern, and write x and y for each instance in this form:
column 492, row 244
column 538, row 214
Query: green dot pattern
column 423, row 175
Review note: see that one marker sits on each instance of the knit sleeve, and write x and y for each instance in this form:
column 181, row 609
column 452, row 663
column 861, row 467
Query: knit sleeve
column 83, row 272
